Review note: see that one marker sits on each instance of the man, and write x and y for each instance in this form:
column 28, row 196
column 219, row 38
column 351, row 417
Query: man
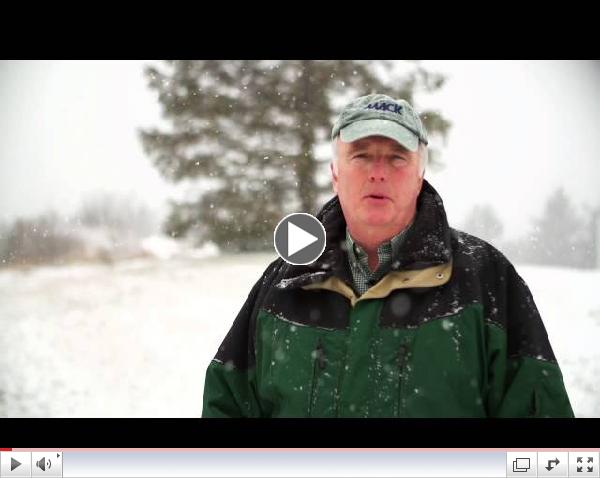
column 401, row 316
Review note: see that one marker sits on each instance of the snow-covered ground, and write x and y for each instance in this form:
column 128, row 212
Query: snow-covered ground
column 569, row 303
column 134, row 339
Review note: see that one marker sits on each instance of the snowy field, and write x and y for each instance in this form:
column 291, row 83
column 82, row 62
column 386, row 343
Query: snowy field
column 134, row 339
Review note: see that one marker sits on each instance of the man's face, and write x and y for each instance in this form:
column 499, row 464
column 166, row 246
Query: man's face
column 377, row 182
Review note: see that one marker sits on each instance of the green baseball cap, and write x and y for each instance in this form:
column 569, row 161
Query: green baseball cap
column 380, row 115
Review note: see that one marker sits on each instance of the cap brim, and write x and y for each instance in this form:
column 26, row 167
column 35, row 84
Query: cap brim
column 380, row 127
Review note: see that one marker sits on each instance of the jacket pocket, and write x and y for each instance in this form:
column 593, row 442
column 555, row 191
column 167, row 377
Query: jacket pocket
column 319, row 365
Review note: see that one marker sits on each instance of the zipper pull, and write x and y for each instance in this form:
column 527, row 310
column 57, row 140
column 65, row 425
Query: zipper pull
column 402, row 352
column 321, row 355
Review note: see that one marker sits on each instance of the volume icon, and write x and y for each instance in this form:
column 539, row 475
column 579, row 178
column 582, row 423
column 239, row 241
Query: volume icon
column 42, row 463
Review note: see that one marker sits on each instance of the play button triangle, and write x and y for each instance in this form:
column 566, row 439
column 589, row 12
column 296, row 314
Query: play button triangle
column 298, row 239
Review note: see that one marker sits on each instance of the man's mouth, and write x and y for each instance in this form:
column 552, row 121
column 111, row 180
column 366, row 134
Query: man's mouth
column 380, row 197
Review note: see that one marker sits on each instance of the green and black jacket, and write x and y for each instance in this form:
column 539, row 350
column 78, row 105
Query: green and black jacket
column 451, row 331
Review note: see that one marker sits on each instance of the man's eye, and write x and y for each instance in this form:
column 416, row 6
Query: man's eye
column 399, row 160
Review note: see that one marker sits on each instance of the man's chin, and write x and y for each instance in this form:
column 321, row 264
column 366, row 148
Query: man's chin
column 377, row 219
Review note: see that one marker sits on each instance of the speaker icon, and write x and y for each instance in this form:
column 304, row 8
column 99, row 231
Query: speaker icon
column 42, row 463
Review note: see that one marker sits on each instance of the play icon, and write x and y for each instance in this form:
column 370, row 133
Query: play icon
column 15, row 464
column 299, row 238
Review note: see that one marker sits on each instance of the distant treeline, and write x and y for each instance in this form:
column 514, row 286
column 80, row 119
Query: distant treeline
column 562, row 235
column 105, row 228
column 108, row 228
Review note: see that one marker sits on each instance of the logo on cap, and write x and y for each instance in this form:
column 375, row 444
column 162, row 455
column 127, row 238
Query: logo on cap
column 380, row 105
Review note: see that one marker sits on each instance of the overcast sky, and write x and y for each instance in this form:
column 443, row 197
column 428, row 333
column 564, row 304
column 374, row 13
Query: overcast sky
column 520, row 129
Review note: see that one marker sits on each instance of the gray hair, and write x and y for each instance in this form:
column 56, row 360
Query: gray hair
column 423, row 156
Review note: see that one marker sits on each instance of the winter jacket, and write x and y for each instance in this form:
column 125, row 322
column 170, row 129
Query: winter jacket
column 451, row 331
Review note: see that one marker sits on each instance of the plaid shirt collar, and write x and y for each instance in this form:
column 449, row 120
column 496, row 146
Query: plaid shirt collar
column 363, row 277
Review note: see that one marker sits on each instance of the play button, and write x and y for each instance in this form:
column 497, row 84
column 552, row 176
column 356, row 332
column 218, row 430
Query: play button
column 299, row 238
column 15, row 463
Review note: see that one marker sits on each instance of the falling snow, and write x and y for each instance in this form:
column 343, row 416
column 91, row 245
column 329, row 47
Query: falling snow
column 135, row 338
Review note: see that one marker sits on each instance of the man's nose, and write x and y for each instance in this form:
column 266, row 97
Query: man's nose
column 379, row 170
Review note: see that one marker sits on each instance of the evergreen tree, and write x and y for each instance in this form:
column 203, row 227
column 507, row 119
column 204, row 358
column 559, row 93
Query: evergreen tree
column 242, row 136
column 559, row 236
column 484, row 223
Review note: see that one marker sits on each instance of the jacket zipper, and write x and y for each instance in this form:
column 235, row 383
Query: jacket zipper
column 402, row 354
column 318, row 367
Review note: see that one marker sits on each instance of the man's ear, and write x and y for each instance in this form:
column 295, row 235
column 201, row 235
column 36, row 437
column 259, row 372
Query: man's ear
column 334, row 178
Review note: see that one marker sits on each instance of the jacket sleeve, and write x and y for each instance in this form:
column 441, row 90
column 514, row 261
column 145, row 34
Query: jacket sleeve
column 228, row 387
column 525, row 379
column 230, row 382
